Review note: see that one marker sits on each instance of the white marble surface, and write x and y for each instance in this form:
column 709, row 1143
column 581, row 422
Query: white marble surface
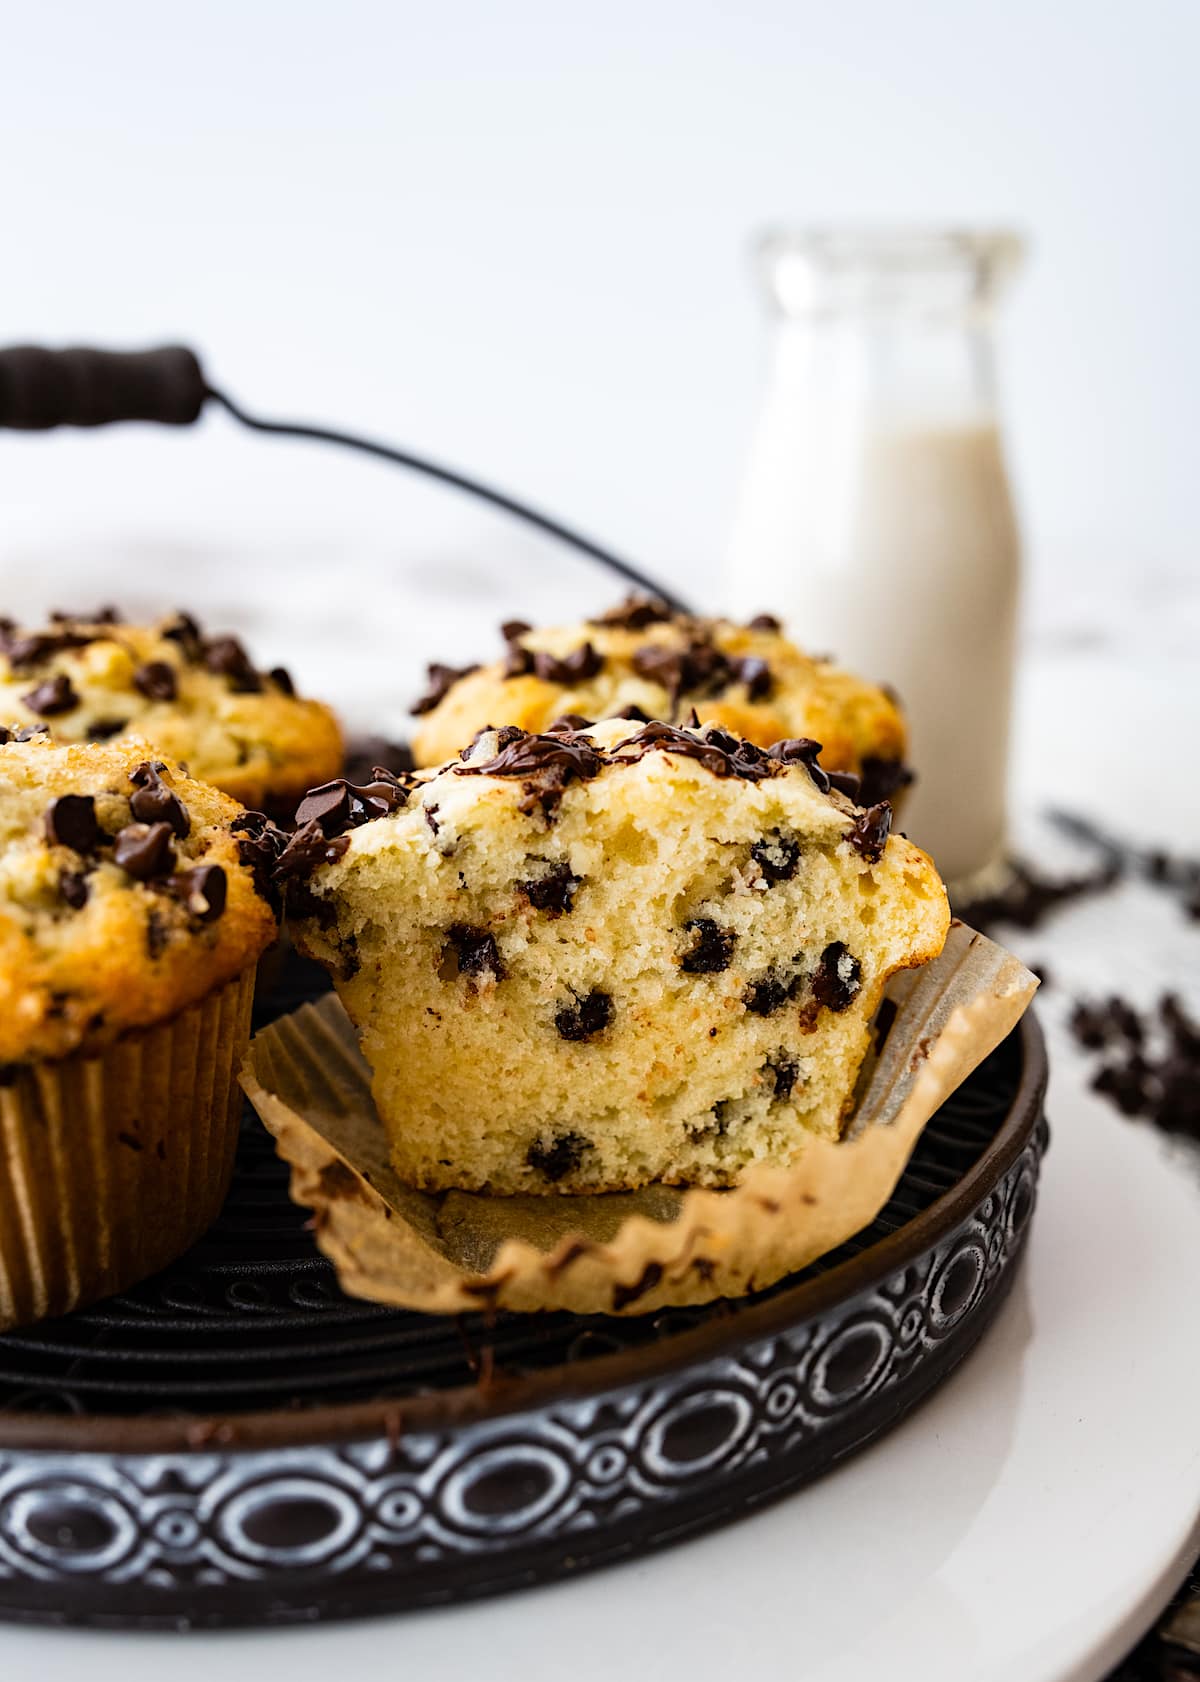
column 1051, row 1488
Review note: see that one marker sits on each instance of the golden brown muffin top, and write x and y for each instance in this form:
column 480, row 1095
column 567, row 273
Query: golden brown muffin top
column 643, row 661
column 128, row 891
column 199, row 699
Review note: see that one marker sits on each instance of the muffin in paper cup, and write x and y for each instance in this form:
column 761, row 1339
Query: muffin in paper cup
column 135, row 903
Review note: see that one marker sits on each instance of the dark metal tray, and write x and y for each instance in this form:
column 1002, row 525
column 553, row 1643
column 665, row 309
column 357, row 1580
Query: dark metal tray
column 237, row 1442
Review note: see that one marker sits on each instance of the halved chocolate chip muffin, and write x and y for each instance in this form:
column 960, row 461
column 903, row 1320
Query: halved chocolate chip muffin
column 642, row 661
column 590, row 960
column 199, row 699
column 134, row 905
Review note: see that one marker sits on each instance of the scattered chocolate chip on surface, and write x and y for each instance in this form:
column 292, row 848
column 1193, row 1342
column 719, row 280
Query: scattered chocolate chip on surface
column 225, row 657
column 441, row 681
column 870, row 830
column 53, row 697
column 282, row 679
column 156, row 681
column 145, row 851
column 153, row 802
column 202, row 890
column 71, row 822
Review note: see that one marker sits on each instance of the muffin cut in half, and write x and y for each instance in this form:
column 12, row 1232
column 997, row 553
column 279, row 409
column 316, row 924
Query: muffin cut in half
column 589, row 960
column 642, row 661
column 197, row 699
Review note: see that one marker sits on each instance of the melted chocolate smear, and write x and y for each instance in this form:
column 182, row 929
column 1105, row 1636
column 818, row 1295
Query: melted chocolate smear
column 635, row 613
column 577, row 667
column 52, row 697
column 156, row 681
column 548, row 764
column 153, row 802
column 870, row 830
column 553, row 893
column 882, row 779
column 441, row 681
column 476, row 951
column 71, row 822
column 712, row 950
column 306, row 851
column 560, row 1157
column 341, row 805
column 145, row 851
column 584, row 1018
column 722, row 754
column 777, row 856
column 838, row 979
column 802, row 750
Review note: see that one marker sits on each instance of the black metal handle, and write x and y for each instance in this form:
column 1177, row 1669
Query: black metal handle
column 40, row 389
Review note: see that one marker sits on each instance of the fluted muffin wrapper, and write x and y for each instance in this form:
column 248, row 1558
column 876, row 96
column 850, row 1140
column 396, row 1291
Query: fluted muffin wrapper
column 112, row 1165
column 621, row 1252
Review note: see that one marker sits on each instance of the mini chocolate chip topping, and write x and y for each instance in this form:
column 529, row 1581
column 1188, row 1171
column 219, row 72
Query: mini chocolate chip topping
column 559, row 1158
column 186, row 632
column 546, row 763
column 340, row 805
column 577, row 667
column 585, row 1017
column 74, row 889
column 802, row 750
column 722, row 754
column 764, row 622
column 476, row 951
column 71, row 822
column 635, row 613
column 755, row 674
column 226, row 657
column 156, row 681
column 513, row 630
column 838, row 978
column 777, row 856
column 202, row 890
column 553, row 893
column 27, row 649
column 305, row 851
column 712, row 950
column 145, row 850
column 870, row 830
column 153, row 802
column 282, row 679
column 52, row 697
column 441, row 681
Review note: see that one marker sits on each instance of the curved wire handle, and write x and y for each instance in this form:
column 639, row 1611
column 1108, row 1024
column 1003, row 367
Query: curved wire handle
column 41, row 389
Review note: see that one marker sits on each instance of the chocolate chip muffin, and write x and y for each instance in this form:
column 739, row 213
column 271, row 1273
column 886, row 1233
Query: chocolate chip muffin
column 199, row 699
column 642, row 661
column 585, row 961
column 134, row 905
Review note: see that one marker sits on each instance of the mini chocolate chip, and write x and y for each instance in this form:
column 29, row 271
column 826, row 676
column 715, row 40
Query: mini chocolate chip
column 282, row 679
column 560, row 1157
column 764, row 622
column 203, row 891
column 156, row 681
column 144, row 850
column 513, row 629
column 784, row 1073
column 227, row 658
column 553, row 893
column 184, row 630
column 777, row 856
column 587, row 1016
column 635, row 613
column 103, row 729
column 870, row 830
column 577, row 667
column 52, row 697
column 74, row 889
column 153, row 802
column 801, row 750
column 71, row 822
column 767, row 996
column 712, row 950
column 838, row 979
column 518, row 661
column 755, row 674
column 476, row 951
column 441, row 681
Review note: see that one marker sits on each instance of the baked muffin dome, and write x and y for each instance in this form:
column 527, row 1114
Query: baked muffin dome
column 590, row 960
column 199, row 699
column 128, row 892
column 643, row 661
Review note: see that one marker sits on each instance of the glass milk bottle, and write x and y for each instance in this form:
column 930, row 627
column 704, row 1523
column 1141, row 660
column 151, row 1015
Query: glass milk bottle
column 876, row 516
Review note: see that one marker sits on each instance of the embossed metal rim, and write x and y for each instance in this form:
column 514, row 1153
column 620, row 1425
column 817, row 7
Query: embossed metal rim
column 460, row 1407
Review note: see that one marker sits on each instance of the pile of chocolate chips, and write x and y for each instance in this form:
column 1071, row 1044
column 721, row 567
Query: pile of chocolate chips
column 1150, row 1060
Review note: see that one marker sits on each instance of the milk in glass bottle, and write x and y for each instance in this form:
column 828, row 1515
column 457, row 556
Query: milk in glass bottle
column 876, row 516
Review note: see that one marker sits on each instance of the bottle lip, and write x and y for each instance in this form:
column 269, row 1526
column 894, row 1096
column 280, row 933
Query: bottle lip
column 926, row 269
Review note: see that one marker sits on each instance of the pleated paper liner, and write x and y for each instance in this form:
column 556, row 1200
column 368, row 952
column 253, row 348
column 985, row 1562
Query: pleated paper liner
column 113, row 1165
column 626, row 1252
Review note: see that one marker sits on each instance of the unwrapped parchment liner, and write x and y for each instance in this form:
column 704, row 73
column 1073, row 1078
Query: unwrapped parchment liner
column 621, row 1252
column 113, row 1165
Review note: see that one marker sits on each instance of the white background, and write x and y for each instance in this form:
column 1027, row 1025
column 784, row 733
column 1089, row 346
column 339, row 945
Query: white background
column 516, row 235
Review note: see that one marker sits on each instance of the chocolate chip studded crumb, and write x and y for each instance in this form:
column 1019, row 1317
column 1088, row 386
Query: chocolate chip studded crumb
column 777, row 856
column 476, row 952
column 156, row 681
column 870, row 830
column 441, row 680
column 71, row 822
column 783, row 1073
column 144, row 851
column 585, row 1017
column 74, row 889
column 554, row 892
column 53, row 697
column 838, row 978
column 153, row 802
column 712, row 949
column 560, row 1157
column 766, row 996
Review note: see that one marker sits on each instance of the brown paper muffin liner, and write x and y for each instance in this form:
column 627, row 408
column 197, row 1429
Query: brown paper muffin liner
column 111, row 1166
column 623, row 1252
